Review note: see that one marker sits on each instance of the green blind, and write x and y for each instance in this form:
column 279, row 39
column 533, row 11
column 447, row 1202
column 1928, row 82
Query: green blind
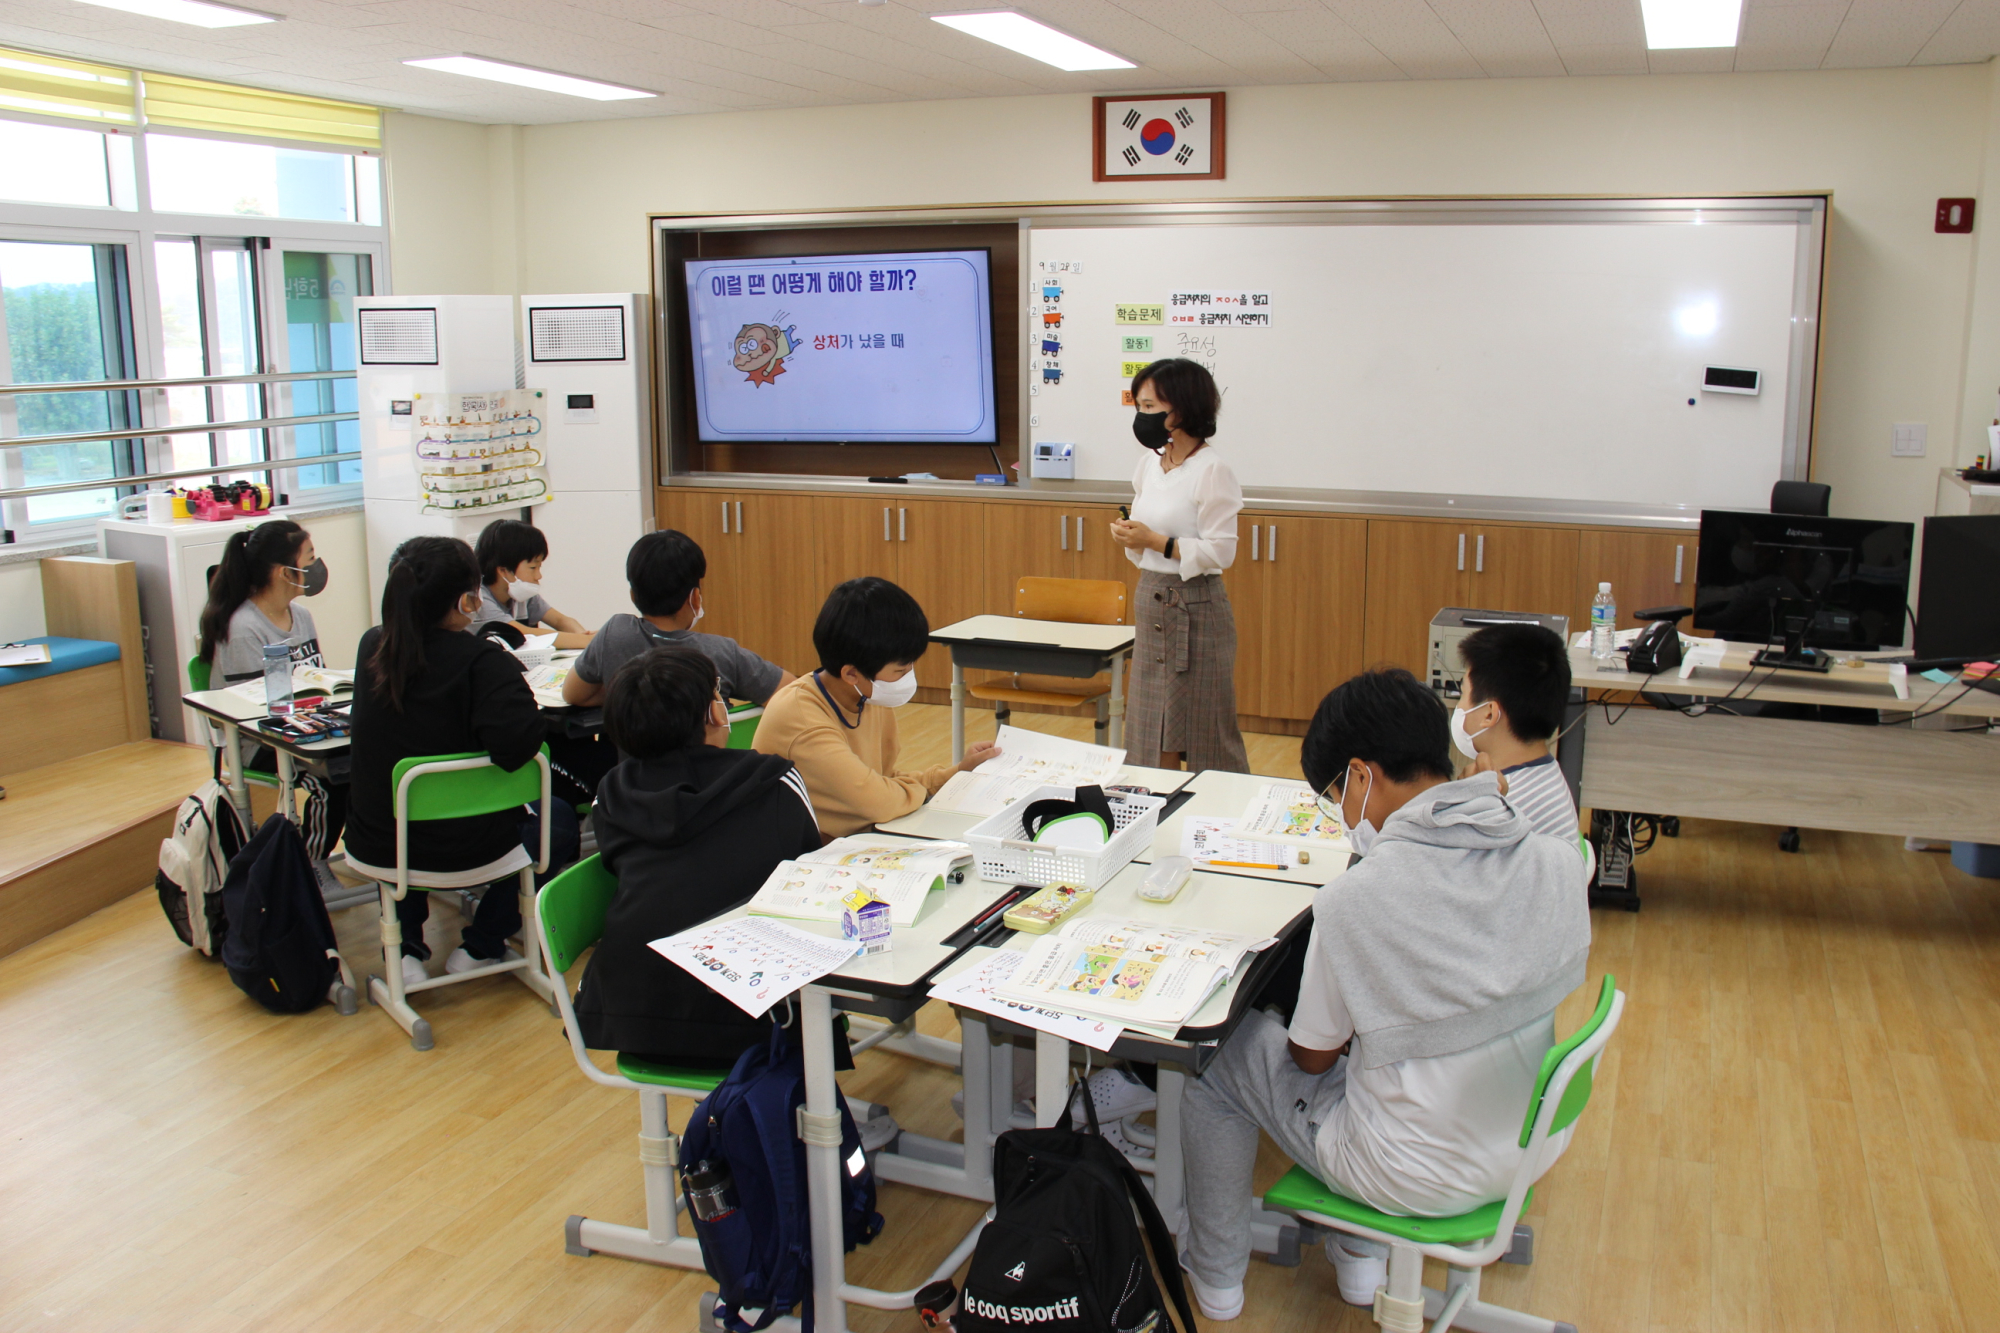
column 195, row 104
column 56, row 86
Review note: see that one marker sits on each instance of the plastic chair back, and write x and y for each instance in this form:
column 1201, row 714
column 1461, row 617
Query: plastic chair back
column 198, row 674
column 461, row 792
column 572, row 908
column 1577, row 1095
column 1072, row 601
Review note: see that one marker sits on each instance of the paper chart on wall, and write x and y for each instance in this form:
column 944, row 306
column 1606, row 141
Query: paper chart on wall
column 977, row 988
column 754, row 963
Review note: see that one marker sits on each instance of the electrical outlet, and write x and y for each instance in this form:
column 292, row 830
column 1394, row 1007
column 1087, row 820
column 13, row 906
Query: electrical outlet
column 1908, row 439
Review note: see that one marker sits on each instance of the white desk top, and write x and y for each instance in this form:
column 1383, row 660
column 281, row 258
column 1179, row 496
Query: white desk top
column 931, row 822
column 1222, row 796
column 1865, row 686
column 1037, row 633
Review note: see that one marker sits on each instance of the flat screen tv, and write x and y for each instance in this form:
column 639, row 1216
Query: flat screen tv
column 889, row 348
column 1848, row 577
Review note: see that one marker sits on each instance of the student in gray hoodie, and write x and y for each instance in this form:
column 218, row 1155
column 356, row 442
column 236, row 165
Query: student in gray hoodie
column 1427, row 1002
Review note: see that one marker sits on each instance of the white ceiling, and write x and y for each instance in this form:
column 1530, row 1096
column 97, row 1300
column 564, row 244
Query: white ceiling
column 733, row 55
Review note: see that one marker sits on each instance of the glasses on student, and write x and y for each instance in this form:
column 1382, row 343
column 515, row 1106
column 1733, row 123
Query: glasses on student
column 1336, row 790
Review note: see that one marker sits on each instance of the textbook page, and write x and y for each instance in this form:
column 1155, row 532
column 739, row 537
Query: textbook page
column 1215, row 842
column 1138, row 975
column 754, row 963
column 812, row 892
column 1289, row 810
column 978, row 988
column 1052, row 760
column 871, row 852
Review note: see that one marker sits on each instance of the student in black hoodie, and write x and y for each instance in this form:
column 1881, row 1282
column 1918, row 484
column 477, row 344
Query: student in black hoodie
column 690, row 829
column 426, row 688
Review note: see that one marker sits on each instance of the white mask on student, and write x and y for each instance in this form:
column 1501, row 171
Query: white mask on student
column 894, row 693
column 520, row 592
column 1360, row 833
column 1462, row 739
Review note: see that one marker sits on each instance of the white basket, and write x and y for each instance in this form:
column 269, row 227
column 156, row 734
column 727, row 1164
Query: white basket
column 1000, row 843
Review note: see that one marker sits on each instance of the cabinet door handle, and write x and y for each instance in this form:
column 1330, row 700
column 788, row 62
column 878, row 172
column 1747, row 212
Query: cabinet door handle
column 1461, row 553
column 1079, row 534
column 1063, row 519
column 725, row 518
column 739, row 518
column 902, row 525
column 1254, row 530
column 1271, row 545
column 1680, row 553
column 885, row 523
column 1479, row 555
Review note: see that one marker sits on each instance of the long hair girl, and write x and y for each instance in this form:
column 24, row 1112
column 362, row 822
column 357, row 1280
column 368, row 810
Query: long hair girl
column 250, row 560
column 428, row 576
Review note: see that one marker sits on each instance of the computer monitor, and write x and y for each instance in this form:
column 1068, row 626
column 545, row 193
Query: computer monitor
column 1840, row 584
column 1958, row 597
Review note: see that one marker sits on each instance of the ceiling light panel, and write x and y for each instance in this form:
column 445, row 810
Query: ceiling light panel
column 1038, row 41
column 1675, row 25
column 525, row 77
column 200, row 14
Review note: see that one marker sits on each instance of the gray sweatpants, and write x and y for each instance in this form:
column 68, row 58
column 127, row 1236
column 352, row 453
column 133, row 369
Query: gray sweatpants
column 1252, row 1085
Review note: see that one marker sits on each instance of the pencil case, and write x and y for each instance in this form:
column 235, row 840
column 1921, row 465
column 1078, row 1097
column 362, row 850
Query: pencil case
column 1045, row 909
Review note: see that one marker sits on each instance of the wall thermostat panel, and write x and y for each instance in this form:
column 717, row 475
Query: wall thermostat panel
column 580, row 409
column 1728, row 379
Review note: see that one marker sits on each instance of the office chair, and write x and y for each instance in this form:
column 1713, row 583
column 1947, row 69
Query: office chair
column 1811, row 498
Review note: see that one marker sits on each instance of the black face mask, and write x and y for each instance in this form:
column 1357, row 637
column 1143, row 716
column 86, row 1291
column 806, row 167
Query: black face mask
column 1150, row 429
column 315, row 580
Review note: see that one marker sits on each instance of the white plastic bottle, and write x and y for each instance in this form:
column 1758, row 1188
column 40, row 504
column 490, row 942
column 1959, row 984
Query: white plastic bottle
column 1603, row 622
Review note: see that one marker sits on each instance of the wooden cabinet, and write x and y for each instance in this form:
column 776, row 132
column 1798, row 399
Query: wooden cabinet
column 1417, row 568
column 1298, row 588
column 754, row 592
column 1645, row 569
column 930, row 548
column 1050, row 541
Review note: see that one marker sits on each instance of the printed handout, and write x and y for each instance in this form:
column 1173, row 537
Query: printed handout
column 811, row 891
column 1137, row 974
column 754, row 963
column 1027, row 760
column 877, row 853
column 1208, row 841
column 978, row 988
column 1288, row 810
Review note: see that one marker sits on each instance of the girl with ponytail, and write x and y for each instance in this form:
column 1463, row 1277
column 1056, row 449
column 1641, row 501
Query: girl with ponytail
column 253, row 601
column 426, row 688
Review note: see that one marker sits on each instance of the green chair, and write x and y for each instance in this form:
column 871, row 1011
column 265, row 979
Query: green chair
column 743, row 724
column 199, row 676
column 454, row 786
column 1469, row 1242
column 570, row 910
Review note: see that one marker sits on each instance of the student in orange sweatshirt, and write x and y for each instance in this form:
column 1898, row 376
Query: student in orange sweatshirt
column 838, row 725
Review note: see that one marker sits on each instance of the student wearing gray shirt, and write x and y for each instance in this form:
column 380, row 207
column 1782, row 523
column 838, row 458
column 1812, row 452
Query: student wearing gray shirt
column 510, row 555
column 253, row 601
column 664, row 571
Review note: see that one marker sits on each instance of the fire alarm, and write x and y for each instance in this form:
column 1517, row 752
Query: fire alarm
column 1954, row 215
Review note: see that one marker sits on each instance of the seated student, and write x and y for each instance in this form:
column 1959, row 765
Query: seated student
column 869, row 636
column 664, row 571
column 425, row 687
column 253, row 601
column 690, row 829
column 1516, row 688
column 510, row 555
column 1428, row 999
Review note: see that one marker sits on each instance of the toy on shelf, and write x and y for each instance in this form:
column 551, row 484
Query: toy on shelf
column 226, row 500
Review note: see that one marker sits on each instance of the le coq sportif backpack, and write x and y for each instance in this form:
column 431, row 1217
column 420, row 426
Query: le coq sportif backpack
column 757, row 1243
column 194, row 860
column 280, row 949
column 1066, row 1251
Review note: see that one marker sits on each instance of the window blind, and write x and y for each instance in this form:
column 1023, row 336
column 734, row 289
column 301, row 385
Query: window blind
column 56, row 86
column 195, row 104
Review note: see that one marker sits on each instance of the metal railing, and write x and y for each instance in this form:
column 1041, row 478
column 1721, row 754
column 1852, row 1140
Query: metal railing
column 265, row 467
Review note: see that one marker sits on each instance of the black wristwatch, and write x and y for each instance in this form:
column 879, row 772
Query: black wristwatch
column 1169, row 552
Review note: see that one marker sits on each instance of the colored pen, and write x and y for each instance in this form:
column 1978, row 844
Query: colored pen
column 1249, row 865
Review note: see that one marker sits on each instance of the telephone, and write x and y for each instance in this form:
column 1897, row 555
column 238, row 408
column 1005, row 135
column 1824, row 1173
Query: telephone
column 1659, row 648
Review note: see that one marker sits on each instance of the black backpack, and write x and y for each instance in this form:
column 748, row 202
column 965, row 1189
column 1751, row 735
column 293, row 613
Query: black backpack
column 280, row 949
column 1064, row 1249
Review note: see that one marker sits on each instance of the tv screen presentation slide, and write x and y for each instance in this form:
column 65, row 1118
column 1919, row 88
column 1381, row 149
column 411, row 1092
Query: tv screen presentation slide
column 875, row 349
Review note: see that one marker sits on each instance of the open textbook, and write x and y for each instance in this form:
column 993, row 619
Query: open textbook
column 1213, row 841
column 899, row 874
column 1132, row 973
column 1288, row 810
column 1027, row 760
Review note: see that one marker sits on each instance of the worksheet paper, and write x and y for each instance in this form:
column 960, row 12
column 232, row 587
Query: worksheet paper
column 872, row 852
column 1206, row 841
column 977, row 988
column 812, row 892
column 1285, row 810
column 24, row 654
column 1138, row 975
column 754, row 963
column 1027, row 760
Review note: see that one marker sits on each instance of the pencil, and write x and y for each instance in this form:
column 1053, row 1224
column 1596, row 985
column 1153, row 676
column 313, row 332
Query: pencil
column 1250, row 865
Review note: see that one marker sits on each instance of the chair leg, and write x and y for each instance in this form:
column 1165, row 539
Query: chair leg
column 534, row 976
column 1399, row 1306
column 659, row 1241
column 1103, row 719
column 1001, row 714
column 387, row 989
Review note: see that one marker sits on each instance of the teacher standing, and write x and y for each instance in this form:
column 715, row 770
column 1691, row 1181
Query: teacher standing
column 1181, row 535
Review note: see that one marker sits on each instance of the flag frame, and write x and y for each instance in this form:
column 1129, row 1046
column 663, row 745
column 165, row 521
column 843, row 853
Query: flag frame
column 1217, row 119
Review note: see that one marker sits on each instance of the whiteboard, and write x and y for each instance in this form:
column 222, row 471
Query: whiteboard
column 1536, row 351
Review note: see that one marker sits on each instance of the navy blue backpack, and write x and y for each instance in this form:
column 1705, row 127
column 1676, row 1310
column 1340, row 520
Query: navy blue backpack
column 760, row 1254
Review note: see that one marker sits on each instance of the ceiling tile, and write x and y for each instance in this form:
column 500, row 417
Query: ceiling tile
column 1885, row 32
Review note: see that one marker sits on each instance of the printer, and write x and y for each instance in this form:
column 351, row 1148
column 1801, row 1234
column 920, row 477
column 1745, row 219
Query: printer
column 1453, row 623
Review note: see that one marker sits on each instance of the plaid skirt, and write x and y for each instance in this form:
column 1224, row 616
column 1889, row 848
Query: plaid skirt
column 1183, row 690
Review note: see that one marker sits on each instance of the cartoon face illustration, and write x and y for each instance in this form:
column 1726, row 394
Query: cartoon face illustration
column 760, row 351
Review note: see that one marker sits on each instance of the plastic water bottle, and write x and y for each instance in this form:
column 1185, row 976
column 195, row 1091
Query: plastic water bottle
column 1603, row 622
column 278, row 679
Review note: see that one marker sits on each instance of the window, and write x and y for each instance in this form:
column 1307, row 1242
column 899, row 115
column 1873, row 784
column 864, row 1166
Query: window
column 319, row 335
column 258, row 180
column 48, row 164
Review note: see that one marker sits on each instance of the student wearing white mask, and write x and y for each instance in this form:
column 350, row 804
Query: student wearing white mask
column 838, row 724
column 510, row 555
column 1426, row 1003
column 1511, row 705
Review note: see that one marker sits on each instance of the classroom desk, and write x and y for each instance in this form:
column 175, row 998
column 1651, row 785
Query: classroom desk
column 1217, row 795
column 930, row 822
column 1040, row 647
column 1893, row 778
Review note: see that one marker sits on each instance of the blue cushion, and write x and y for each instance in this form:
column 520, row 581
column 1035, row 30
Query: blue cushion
column 64, row 655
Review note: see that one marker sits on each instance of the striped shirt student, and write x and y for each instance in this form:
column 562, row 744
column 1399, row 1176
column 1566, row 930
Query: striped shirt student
column 1515, row 690
column 1538, row 790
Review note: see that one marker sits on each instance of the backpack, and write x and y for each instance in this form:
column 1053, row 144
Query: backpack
column 760, row 1254
column 1064, row 1250
column 194, row 859
column 280, row 949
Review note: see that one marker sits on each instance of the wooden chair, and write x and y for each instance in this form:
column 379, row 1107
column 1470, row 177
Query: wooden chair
column 1075, row 602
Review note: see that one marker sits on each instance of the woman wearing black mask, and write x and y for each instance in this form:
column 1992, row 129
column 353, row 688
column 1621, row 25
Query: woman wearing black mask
column 1181, row 535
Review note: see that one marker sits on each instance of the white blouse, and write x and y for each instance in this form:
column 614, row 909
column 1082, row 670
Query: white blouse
column 1196, row 504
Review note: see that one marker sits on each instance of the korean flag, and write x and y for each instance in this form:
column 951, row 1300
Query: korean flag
column 1165, row 136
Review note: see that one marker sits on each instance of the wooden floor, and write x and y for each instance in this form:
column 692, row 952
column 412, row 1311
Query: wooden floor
column 1796, row 1128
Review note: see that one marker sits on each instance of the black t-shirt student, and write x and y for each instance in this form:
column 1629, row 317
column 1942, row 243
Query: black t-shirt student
column 689, row 834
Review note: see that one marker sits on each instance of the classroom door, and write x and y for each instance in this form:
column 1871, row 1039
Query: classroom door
column 1645, row 569
column 1306, row 621
column 1413, row 572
